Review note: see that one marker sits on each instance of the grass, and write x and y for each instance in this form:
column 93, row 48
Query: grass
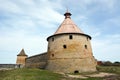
column 29, row 74
column 109, row 69
column 37, row 74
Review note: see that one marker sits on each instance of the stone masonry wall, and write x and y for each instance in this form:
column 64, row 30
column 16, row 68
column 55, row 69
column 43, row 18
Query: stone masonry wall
column 2, row 66
column 69, row 55
column 75, row 48
column 72, row 65
column 36, row 61
column 21, row 60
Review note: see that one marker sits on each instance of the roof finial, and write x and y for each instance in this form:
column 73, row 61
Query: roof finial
column 67, row 14
column 67, row 9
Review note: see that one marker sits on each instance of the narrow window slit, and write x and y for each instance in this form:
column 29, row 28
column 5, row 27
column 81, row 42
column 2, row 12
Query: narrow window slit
column 85, row 46
column 70, row 37
column 52, row 39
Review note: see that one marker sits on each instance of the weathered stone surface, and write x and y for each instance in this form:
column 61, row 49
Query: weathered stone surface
column 69, row 51
column 21, row 58
column 75, row 57
column 7, row 66
column 37, row 61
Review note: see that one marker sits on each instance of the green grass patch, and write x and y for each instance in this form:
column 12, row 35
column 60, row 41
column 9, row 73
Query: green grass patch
column 109, row 69
column 29, row 74
column 38, row 74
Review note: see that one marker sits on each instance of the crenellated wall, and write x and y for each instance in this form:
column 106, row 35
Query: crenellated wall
column 36, row 61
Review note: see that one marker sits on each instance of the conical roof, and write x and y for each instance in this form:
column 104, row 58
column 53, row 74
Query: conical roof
column 68, row 26
column 22, row 53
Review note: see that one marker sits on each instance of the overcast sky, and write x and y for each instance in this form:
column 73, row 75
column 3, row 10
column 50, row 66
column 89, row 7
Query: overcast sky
column 27, row 23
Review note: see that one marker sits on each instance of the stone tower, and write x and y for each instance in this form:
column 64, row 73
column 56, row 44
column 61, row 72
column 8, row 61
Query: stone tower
column 21, row 57
column 69, row 49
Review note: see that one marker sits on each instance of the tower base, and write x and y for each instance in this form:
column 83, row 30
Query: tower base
column 72, row 65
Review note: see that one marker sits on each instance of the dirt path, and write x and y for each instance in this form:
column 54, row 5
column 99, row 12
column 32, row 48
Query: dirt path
column 101, row 74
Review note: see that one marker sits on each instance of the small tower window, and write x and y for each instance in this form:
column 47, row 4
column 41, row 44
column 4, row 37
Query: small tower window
column 52, row 55
column 64, row 46
column 85, row 46
column 87, row 38
column 52, row 39
column 70, row 37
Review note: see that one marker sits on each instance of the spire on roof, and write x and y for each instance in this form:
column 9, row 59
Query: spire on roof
column 22, row 53
column 67, row 14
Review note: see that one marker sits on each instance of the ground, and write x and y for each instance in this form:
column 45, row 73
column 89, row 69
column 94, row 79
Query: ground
column 103, row 73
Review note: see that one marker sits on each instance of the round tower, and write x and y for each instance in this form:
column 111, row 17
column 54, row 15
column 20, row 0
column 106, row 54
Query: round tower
column 69, row 49
column 21, row 58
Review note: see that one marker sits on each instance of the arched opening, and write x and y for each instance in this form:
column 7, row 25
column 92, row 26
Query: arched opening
column 76, row 71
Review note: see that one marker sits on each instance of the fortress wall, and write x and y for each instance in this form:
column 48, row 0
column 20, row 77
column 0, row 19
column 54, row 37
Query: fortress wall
column 2, row 66
column 36, row 61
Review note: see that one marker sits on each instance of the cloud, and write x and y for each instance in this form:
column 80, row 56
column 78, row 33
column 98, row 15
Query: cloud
column 14, row 43
column 27, row 24
column 8, row 6
column 11, row 46
column 107, row 47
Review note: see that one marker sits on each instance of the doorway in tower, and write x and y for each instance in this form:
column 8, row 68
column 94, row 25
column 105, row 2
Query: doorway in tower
column 76, row 71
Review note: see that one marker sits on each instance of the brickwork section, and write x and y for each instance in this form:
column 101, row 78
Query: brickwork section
column 36, row 61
